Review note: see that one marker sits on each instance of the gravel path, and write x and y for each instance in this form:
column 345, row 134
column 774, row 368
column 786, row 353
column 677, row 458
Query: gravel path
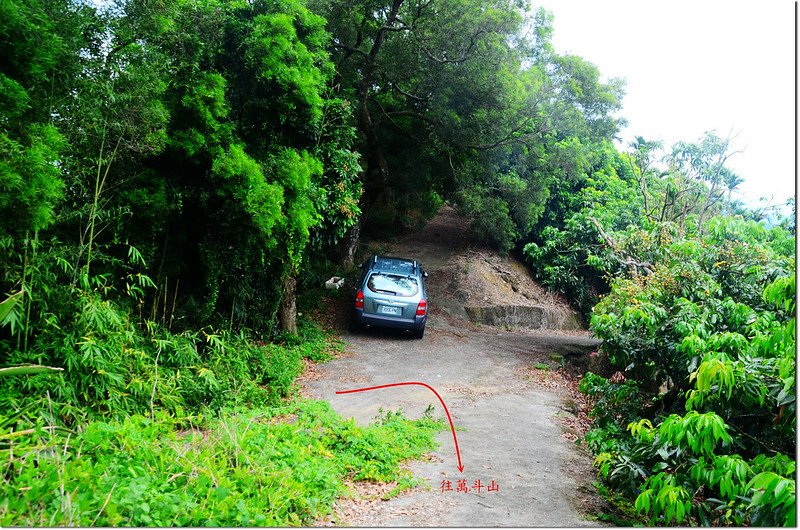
column 508, row 427
column 508, row 430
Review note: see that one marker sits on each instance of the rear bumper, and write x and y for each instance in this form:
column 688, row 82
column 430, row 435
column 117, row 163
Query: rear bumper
column 368, row 319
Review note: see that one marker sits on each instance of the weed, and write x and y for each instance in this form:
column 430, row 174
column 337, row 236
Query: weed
column 131, row 424
column 406, row 482
column 623, row 512
column 241, row 469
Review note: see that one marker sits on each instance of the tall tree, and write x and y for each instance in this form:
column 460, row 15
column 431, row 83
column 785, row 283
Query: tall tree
column 246, row 101
column 40, row 44
column 462, row 102
column 691, row 180
column 704, row 163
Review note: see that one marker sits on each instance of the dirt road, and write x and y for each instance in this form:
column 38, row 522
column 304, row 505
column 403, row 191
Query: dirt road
column 508, row 426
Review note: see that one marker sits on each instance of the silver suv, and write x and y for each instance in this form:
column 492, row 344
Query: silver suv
column 390, row 293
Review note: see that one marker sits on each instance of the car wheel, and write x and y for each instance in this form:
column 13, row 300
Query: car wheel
column 419, row 333
column 355, row 327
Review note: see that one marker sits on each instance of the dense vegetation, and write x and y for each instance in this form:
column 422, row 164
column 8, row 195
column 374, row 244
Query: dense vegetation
column 701, row 429
column 694, row 299
column 166, row 169
column 464, row 102
column 174, row 174
column 272, row 466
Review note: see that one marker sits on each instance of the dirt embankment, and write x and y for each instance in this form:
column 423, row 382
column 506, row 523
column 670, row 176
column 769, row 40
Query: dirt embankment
column 472, row 282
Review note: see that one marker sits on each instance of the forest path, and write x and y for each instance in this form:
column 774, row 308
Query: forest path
column 508, row 426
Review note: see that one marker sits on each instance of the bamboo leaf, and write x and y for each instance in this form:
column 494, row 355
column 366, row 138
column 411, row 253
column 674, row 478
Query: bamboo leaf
column 28, row 369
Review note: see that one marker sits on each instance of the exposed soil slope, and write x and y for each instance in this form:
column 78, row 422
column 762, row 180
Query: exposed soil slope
column 472, row 282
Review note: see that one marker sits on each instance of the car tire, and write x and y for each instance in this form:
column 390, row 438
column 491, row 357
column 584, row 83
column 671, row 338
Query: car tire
column 419, row 333
column 355, row 327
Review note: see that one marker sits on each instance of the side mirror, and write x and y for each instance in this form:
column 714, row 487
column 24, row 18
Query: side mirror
column 424, row 274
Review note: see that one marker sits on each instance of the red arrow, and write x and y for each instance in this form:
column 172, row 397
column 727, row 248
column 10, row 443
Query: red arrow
column 453, row 429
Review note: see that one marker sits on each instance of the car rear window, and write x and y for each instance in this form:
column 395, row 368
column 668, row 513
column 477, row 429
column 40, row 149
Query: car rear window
column 393, row 284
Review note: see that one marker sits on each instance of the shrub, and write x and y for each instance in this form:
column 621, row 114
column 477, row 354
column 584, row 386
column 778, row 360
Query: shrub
column 709, row 339
column 270, row 466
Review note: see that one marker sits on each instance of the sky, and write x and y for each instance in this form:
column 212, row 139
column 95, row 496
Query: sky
column 698, row 65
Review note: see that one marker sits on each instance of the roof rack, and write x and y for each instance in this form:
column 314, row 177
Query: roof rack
column 395, row 265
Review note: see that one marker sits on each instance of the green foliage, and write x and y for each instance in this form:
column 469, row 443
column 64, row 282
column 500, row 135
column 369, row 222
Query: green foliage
column 662, row 326
column 204, row 134
column 613, row 403
column 29, row 178
column 700, row 317
column 114, row 364
column 10, row 310
column 30, row 182
column 269, row 466
column 567, row 251
column 709, row 337
column 165, row 167
column 340, row 185
column 774, row 500
column 464, row 103
column 736, row 491
column 492, row 221
column 618, row 209
column 241, row 165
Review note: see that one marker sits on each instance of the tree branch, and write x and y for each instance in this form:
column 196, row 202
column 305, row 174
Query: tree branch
column 350, row 49
column 412, row 114
column 624, row 259
column 507, row 139
column 409, row 95
column 402, row 27
column 445, row 60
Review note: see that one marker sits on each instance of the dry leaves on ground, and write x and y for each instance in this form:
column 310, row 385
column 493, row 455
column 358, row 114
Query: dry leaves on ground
column 577, row 423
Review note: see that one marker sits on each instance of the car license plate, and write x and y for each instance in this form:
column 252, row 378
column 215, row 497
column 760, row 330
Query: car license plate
column 389, row 310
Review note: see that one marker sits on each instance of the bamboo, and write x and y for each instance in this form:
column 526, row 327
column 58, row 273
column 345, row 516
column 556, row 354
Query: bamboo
column 174, row 301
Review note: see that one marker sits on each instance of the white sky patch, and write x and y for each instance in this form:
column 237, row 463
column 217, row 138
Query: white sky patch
column 697, row 65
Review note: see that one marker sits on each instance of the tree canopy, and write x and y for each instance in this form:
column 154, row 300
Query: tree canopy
column 465, row 103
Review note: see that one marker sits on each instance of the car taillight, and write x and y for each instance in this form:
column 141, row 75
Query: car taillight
column 360, row 299
column 422, row 307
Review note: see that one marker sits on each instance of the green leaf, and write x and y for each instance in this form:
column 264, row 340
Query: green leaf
column 679, row 512
column 28, row 369
column 642, row 503
column 790, row 520
column 221, row 492
column 8, row 305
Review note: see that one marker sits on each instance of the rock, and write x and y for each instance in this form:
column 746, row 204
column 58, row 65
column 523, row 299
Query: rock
column 502, row 315
column 532, row 317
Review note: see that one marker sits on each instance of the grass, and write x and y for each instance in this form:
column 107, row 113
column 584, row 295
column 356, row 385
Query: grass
column 404, row 483
column 623, row 512
column 217, row 436
column 273, row 466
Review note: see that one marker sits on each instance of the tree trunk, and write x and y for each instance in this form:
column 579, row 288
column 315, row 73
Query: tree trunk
column 376, row 172
column 287, row 314
column 348, row 246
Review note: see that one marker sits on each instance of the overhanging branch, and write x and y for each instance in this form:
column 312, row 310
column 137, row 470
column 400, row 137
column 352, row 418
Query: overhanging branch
column 409, row 95
column 445, row 60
